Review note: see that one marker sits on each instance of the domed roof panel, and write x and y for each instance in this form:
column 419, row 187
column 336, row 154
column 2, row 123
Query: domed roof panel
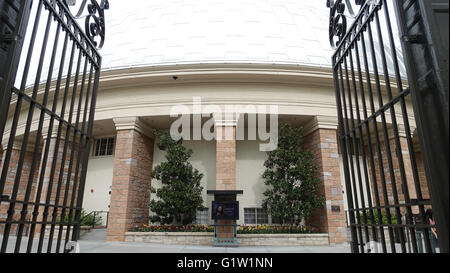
column 158, row 32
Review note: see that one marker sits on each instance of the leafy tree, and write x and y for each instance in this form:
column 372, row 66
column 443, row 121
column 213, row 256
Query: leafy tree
column 180, row 196
column 292, row 192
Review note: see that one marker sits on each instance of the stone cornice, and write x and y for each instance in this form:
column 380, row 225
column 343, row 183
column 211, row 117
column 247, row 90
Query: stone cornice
column 136, row 76
column 227, row 120
column 303, row 78
column 306, row 75
column 54, row 133
column 320, row 122
column 17, row 145
column 133, row 123
column 209, row 72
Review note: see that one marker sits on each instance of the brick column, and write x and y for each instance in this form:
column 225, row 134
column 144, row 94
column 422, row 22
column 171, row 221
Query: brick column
column 226, row 158
column 409, row 171
column 130, row 191
column 404, row 150
column 422, row 176
column 50, row 185
column 23, row 183
column 323, row 144
column 225, row 168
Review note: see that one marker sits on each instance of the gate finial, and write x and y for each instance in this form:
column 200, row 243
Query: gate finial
column 338, row 18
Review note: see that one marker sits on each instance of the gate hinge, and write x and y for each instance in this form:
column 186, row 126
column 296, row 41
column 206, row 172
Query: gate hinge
column 413, row 39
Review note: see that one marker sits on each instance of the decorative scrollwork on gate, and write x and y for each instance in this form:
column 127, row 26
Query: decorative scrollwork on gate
column 339, row 12
column 95, row 19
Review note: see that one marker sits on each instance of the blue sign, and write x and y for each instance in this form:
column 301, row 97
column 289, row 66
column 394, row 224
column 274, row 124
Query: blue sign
column 225, row 210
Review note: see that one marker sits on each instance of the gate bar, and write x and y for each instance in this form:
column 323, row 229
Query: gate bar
column 427, row 68
column 372, row 161
column 37, row 142
column 12, row 62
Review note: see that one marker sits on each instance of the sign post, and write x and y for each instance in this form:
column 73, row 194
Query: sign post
column 225, row 213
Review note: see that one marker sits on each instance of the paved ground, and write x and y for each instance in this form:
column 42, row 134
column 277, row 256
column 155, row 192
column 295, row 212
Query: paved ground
column 95, row 242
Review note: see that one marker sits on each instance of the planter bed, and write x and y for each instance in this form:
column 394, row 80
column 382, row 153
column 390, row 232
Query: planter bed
column 206, row 238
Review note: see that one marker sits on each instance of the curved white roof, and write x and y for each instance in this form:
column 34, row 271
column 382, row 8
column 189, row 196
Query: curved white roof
column 159, row 32
column 143, row 33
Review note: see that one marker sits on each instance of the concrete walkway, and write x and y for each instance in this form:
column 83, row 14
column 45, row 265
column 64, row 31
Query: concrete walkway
column 95, row 242
column 109, row 247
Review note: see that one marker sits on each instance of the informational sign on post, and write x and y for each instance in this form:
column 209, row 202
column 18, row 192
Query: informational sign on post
column 225, row 210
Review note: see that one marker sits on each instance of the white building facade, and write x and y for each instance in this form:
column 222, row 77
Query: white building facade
column 165, row 53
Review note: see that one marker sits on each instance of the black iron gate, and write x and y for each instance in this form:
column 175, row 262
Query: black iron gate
column 49, row 75
column 387, row 207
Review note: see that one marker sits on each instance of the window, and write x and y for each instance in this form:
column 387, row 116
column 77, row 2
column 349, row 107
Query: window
column 104, row 146
column 249, row 216
column 261, row 217
column 255, row 216
column 202, row 217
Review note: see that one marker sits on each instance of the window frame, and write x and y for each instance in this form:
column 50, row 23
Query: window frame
column 208, row 220
column 255, row 211
column 97, row 142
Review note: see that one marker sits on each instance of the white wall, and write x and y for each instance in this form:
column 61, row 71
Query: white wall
column 363, row 180
column 203, row 159
column 249, row 168
column 99, row 180
column 100, row 174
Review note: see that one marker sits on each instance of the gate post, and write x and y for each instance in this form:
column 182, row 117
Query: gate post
column 226, row 176
column 130, row 191
column 425, row 46
column 322, row 141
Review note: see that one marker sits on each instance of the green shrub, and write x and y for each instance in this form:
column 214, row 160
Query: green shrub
column 168, row 228
column 180, row 195
column 86, row 219
column 384, row 219
column 284, row 229
column 260, row 229
column 292, row 192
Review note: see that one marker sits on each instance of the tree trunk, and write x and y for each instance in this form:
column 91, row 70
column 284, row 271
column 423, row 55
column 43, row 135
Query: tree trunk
column 174, row 220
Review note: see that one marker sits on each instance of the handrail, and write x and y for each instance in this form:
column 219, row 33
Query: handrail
column 95, row 212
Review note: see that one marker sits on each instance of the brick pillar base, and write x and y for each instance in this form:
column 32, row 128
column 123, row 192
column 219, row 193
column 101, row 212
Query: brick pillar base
column 130, row 195
column 323, row 144
column 55, row 194
column 12, row 172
